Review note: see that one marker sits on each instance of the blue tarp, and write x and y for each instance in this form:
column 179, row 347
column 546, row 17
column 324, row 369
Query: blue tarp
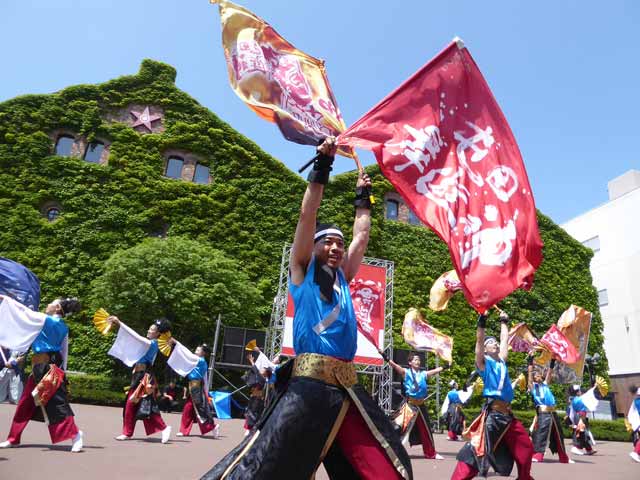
column 19, row 283
column 222, row 404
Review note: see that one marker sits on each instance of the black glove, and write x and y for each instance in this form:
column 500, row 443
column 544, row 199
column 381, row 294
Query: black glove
column 552, row 363
column 363, row 198
column 384, row 356
column 482, row 320
column 504, row 318
column 446, row 366
column 529, row 359
column 322, row 166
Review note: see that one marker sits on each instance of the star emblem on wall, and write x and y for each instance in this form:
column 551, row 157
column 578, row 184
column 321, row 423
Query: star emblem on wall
column 145, row 118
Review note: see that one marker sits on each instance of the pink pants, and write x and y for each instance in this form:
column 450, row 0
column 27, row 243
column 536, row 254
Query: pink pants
column 362, row 450
column 58, row 432
column 519, row 444
column 189, row 417
column 152, row 424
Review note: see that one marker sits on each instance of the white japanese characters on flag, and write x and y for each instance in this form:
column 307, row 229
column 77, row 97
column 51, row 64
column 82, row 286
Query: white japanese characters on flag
column 444, row 144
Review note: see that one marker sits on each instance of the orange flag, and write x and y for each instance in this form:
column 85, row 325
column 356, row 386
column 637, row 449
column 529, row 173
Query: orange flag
column 276, row 80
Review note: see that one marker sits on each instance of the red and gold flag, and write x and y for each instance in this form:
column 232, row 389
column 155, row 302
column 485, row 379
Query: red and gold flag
column 443, row 289
column 521, row 338
column 422, row 336
column 276, row 80
column 443, row 142
column 559, row 345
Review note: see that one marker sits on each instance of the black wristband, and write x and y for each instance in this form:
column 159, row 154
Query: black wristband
column 529, row 359
column 322, row 166
column 384, row 356
column 552, row 363
column 504, row 319
column 363, row 198
column 482, row 321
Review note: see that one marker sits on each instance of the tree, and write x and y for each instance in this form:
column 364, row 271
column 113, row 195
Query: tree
column 184, row 280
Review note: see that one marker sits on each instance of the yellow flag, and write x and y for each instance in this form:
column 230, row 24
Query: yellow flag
column 276, row 80
column 443, row 289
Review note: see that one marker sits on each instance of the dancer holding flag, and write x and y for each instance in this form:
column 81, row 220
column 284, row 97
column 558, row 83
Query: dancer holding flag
column 140, row 353
column 497, row 438
column 48, row 337
column 323, row 415
column 546, row 427
column 198, row 407
column 412, row 416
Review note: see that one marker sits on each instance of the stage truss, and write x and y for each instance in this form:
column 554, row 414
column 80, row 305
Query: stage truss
column 381, row 374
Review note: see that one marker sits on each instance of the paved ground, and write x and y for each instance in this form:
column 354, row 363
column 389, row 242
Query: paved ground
column 188, row 458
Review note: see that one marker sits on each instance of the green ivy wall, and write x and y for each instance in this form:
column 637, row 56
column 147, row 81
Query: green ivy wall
column 248, row 211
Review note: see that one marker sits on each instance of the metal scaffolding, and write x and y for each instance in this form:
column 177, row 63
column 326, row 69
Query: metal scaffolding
column 381, row 374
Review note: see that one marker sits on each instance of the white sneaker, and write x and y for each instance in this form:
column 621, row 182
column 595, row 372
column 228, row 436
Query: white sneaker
column 534, row 460
column 439, row 457
column 572, row 461
column 77, row 444
column 247, row 432
column 122, row 437
column 6, row 444
column 577, row 451
column 179, row 434
column 634, row 456
column 166, row 434
column 216, row 431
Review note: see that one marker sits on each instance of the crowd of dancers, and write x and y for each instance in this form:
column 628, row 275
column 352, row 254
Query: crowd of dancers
column 316, row 413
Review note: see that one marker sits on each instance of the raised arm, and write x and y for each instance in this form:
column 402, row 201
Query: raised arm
column 399, row 370
column 530, row 371
column 552, row 365
column 303, row 240
column 504, row 336
column 361, row 227
column 481, row 325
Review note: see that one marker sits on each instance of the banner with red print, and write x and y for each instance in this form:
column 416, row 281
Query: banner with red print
column 368, row 291
column 443, row 142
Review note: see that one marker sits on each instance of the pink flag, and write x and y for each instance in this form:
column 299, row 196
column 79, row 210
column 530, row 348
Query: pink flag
column 444, row 144
column 560, row 346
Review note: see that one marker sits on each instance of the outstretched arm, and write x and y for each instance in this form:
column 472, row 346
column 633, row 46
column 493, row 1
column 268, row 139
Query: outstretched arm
column 399, row 370
column 305, row 230
column 361, row 227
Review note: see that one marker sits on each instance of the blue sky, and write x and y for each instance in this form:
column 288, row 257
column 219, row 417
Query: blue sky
column 566, row 73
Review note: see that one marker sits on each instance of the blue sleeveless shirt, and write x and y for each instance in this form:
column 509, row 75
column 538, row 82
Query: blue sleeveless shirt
column 151, row 354
column 415, row 383
column 51, row 336
column 453, row 396
column 542, row 395
column 327, row 328
column 495, row 377
column 199, row 371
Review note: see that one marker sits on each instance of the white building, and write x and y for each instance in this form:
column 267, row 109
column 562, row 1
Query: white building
column 612, row 230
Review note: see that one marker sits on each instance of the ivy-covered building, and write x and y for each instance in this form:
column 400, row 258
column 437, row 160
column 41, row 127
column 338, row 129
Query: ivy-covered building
column 96, row 169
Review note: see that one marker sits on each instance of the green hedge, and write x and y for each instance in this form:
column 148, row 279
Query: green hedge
column 606, row 430
column 97, row 389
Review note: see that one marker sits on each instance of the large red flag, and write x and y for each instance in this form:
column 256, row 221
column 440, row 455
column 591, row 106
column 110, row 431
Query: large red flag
column 444, row 144
column 560, row 346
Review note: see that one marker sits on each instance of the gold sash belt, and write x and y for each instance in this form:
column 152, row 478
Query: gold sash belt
column 546, row 409
column 194, row 383
column 416, row 401
column 500, row 406
column 326, row 369
column 38, row 358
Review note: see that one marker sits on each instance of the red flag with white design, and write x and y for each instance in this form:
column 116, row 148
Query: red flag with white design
column 560, row 346
column 444, row 144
